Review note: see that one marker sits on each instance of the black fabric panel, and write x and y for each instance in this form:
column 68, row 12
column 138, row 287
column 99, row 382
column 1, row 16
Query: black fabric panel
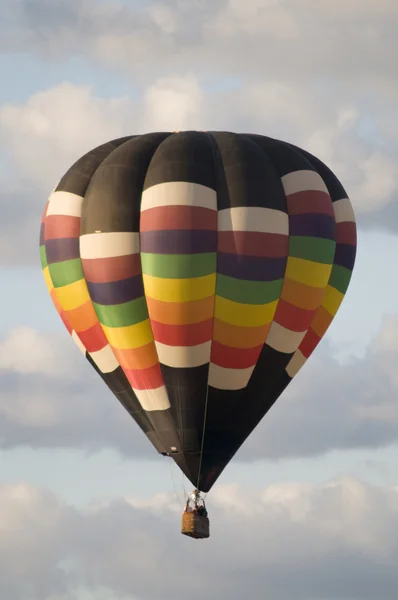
column 245, row 175
column 186, row 156
column 113, row 198
column 285, row 157
column 77, row 178
column 187, row 392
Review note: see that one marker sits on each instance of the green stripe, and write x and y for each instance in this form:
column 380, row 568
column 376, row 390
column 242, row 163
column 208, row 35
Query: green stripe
column 66, row 272
column 340, row 278
column 43, row 257
column 178, row 266
column 248, row 292
column 312, row 248
column 122, row 315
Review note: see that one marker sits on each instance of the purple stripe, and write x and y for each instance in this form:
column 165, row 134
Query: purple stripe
column 178, row 241
column 251, row 268
column 116, row 292
column 314, row 225
column 61, row 249
column 42, row 227
column 345, row 255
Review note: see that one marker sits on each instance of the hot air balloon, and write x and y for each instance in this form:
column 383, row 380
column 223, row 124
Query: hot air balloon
column 197, row 272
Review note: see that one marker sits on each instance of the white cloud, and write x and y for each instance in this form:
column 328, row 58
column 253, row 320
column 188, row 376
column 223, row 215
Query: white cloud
column 56, row 126
column 25, row 350
column 173, row 104
column 330, row 542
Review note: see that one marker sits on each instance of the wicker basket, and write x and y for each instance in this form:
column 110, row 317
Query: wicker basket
column 195, row 526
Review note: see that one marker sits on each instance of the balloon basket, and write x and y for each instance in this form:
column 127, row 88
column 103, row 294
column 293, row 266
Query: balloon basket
column 195, row 526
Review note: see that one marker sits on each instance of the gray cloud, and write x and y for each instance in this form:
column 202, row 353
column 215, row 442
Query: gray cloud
column 329, row 542
column 328, row 406
column 276, row 39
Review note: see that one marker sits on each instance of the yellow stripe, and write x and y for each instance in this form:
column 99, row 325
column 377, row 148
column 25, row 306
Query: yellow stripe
column 179, row 290
column 47, row 279
column 247, row 315
column 133, row 336
column 308, row 272
column 332, row 300
column 73, row 295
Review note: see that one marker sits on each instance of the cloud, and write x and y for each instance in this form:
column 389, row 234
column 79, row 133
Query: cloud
column 277, row 38
column 50, row 397
column 326, row 542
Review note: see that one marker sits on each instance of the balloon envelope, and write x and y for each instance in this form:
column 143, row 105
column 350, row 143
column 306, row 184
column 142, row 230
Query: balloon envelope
column 197, row 272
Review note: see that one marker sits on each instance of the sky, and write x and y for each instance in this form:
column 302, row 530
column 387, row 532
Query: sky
column 309, row 506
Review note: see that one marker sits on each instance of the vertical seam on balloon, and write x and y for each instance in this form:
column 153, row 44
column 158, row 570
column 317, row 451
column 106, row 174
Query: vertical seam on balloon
column 212, row 143
column 288, row 233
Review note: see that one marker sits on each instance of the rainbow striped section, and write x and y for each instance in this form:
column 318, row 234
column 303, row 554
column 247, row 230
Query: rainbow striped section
column 251, row 262
column 309, row 264
column 178, row 231
column 343, row 258
column 65, row 280
column 111, row 263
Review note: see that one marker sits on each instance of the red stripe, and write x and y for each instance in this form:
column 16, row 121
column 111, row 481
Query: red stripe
column 183, row 335
column 145, row 379
column 310, row 202
column 178, row 217
column 43, row 218
column 106, row 270
column 234, row 358
column 309, row 343
column 346, row 233
column 293, row 317
column 250, row 243
column 61, row 226
column 93, row 339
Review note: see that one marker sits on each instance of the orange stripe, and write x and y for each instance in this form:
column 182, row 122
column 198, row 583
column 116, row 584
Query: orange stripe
column 321, row 321
column 180, row 313
column 83, row 317
column 301, row 295
column 137, row 358
column 238, row 336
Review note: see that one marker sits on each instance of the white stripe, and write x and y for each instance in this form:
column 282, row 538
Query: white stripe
column 343, row 210
column 297, row 361
column 65, row 203
column 181, row 193
column 253, row 218
column 153, row 399
column 183, row 356
column 78, row 342
column 105, row 359
column 109, row 245
column 229, row 379
column 284, row 340
column 303, row 181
